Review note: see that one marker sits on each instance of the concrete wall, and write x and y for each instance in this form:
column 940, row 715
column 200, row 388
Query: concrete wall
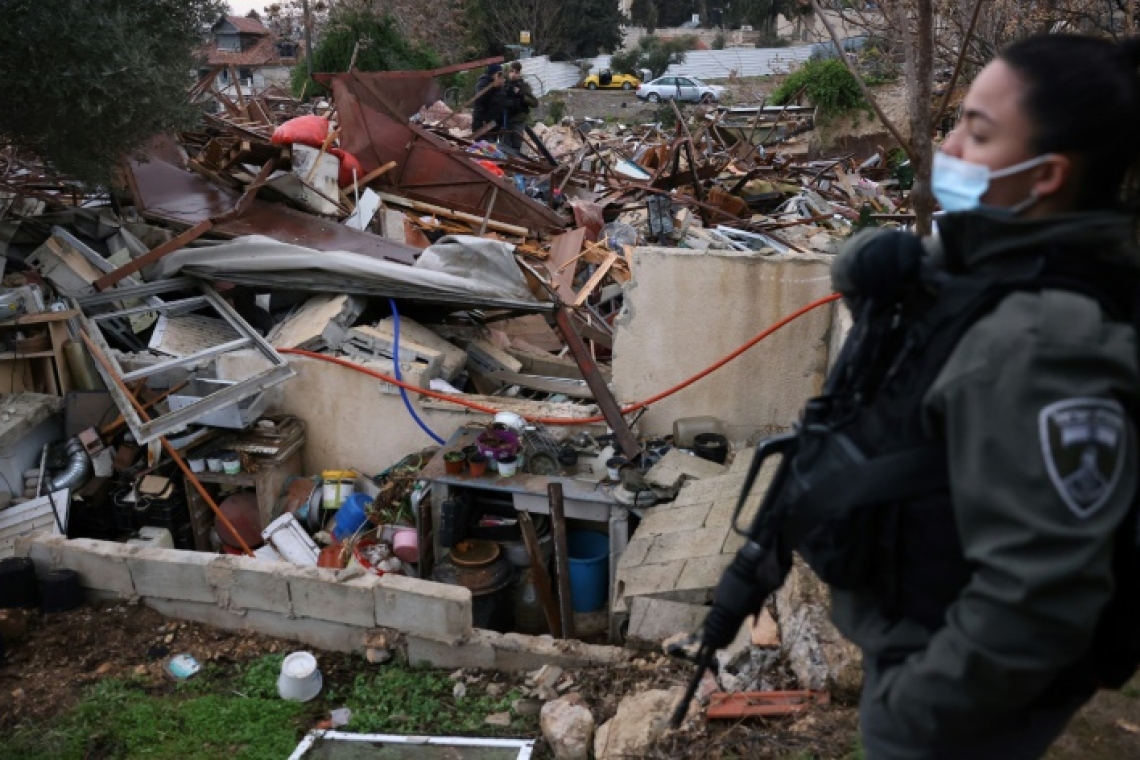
column 355, row 421
column 333, row 610
column 686, row 309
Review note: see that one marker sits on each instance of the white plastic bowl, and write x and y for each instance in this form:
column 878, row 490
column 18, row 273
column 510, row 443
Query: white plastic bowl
column 300, row 680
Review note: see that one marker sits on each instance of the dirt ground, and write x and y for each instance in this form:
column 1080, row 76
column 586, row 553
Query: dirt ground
column 622, row 106
column 47, row 672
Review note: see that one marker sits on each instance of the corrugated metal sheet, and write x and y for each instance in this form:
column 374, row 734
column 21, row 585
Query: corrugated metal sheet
column 546, row 76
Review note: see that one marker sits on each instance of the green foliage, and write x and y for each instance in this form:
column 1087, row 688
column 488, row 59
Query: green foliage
column 117, row 720
column 556, row 109
column 718, row 41
column 259, row 678
column 653, row 53
column 563, row 31
column 87, row 81
column 826, row 83
column 401, row 699
column 382, row 48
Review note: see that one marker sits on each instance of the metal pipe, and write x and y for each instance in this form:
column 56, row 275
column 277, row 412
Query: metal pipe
column 78, row 468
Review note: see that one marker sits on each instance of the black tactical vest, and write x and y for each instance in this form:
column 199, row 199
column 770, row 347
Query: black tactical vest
column 869, row 481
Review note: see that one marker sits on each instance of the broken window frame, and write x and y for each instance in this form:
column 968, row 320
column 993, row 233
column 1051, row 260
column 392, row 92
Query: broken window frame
column 175, row 421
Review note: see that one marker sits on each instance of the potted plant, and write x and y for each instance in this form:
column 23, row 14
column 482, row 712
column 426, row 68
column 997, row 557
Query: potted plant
column 476, row 464
column 453, row 462
column 508, row 465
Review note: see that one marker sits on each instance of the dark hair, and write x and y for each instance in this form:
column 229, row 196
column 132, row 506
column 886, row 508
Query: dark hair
column 1084, row 98
column 516, row 65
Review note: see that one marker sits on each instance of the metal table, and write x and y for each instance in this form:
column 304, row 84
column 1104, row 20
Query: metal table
column 583, row 499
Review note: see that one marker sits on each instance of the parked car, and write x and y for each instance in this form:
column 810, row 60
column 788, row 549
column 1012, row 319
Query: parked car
column 688, row 89
column 607, row 79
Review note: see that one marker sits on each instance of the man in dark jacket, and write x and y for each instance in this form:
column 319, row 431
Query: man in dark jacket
column 489, row 98
column 518, row 100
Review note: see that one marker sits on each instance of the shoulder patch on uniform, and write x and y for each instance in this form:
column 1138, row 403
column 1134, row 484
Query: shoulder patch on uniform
column 1083, row 441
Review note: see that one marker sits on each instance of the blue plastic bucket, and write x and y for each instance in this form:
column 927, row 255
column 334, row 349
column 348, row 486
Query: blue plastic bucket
column 589, row 569
column 351, row 515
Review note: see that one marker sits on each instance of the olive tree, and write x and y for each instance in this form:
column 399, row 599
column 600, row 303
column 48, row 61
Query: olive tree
column 88, row 81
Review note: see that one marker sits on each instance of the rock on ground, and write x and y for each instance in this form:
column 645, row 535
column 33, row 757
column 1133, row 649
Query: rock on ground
column 817, row 653
column 640, row 719
column 568, row 726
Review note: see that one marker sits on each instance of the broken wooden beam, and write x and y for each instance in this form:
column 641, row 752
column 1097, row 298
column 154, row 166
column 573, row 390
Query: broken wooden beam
column 112, row 278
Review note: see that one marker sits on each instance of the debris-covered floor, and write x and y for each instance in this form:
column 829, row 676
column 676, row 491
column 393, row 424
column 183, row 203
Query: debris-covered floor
column 166, row 370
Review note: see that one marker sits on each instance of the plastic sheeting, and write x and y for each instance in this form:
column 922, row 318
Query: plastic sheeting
column 462, row 270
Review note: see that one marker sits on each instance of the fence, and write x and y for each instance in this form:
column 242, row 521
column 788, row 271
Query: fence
column 546, row 76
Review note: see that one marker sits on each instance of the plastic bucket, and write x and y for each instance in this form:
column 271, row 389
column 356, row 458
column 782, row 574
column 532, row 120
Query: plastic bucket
column 352, row 515
column 589, row 569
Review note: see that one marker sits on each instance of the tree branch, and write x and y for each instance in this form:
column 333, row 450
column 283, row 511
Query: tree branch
column 962, row 47
column 906, row 146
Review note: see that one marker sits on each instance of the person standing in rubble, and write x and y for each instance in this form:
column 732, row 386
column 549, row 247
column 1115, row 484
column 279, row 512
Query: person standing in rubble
column 489, row 102
column 995, row 605
column 519, row 99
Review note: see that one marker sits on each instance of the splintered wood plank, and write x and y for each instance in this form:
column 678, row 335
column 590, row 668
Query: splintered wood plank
column 563, row 250
column 595, row 279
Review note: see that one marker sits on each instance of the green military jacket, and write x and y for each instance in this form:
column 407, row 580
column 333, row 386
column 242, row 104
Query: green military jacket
column 1043, row 469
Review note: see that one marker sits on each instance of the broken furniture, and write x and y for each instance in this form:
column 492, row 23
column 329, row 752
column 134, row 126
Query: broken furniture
column 176, row 420
column 34, row 342
column 525, row 492
column 271, row 457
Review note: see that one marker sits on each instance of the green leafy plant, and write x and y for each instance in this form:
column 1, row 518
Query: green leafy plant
column 653, row 53
column 88, row 81
column 826, row 83
column 378, row 43
column 403, row 699
column 718, row 41
column 555, row 109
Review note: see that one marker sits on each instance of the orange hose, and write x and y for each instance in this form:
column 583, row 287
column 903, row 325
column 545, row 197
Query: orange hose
column 572, row 420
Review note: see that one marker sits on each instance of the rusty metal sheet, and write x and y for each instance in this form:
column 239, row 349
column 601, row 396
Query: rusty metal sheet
column 173, row 195
column 763, row 704
column 427, row 168
column 401, row 93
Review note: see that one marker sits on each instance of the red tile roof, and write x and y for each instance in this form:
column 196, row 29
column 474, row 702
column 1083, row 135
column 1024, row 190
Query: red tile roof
column 264, row 53
column 247, row 25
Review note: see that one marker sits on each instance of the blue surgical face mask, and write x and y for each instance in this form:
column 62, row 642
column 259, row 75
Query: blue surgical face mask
column 959, row 185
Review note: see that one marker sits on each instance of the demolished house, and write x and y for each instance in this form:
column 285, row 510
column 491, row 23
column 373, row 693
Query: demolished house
column 346, row 373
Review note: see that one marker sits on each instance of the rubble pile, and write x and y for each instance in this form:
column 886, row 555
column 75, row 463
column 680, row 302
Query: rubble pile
column 373, row 229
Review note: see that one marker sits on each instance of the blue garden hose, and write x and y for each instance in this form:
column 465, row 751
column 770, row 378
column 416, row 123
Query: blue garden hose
column 396, row 367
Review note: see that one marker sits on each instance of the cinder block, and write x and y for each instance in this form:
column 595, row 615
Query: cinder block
column 316, row 593
column 703, row 573
column 475, row 652
column 101, row 565
column 244, row 583
column 645, row 580
column 635, row 551
column 697, row 491
column 651, row 621
column 676, row 519
column 322, row 634
column 674, row 546
column 518, row 652
column 422, row 608
column 171, row 574
column 675, row 466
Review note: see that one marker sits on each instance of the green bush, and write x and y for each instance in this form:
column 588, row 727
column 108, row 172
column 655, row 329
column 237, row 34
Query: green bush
column 826, row 83
column 556, row 109
column 382, row 48
column 653, row 53
column 718, row 41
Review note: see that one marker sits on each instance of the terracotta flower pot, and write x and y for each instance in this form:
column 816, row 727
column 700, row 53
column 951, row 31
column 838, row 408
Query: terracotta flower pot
column 477, row 464
column 453, row 462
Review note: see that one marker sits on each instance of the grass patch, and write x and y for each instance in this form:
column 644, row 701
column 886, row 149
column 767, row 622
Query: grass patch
column 234, row 712
column 119, row 719
column 402, row 699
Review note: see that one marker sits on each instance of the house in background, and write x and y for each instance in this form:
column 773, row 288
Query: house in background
column 244, row 48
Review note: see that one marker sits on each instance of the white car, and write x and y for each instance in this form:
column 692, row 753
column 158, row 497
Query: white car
column 680, row 88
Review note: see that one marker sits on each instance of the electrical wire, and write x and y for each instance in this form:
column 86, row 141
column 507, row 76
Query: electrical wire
column 572, row 420
column 400, row 381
